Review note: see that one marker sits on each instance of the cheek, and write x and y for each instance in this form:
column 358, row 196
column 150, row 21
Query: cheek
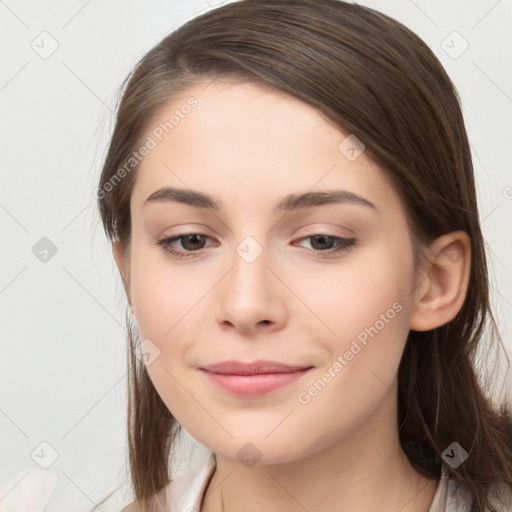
column 166, row 303
column 163, row 296
column 369, row 333
column 372, row 293
column 368, row 314
column 364, row 308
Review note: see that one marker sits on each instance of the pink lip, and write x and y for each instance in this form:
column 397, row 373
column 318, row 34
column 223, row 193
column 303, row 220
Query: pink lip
column 253, row 378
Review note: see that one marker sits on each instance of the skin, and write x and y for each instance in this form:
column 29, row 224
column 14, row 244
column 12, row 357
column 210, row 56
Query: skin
column 248, row 147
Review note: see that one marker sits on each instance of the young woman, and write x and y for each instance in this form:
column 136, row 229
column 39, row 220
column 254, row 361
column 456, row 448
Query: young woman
column 290, row 196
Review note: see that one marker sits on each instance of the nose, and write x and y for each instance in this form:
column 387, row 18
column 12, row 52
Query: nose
column 251, row 298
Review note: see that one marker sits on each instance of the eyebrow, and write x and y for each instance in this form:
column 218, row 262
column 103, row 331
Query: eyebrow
column 287, row 203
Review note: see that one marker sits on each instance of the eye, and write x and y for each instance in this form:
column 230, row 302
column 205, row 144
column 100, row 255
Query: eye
column 326, row 245
column 190, row 243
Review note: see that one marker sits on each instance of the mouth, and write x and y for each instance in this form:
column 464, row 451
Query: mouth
column 254, row 378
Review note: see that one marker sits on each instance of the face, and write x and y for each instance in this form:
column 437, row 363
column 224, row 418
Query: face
column 259, row 272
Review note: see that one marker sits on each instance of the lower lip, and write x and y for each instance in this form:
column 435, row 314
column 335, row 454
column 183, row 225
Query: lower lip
column 254, row 384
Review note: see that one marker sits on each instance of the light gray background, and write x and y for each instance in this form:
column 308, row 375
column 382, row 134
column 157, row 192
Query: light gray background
column 63, row 338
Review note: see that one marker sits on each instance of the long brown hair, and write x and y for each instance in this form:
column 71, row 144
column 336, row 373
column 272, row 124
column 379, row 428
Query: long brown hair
column 376, row 79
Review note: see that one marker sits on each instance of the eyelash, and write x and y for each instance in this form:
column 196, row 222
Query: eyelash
column 344, row 245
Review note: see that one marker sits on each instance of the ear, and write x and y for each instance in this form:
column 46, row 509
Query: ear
column 443, row 282
column 122, row 263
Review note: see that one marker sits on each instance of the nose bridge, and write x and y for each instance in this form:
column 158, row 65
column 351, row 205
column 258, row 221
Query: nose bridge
column 250, row 250
column 249, row 274
column 247, row 297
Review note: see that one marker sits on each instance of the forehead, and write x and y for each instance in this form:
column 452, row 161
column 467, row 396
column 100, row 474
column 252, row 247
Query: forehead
column 247, row 145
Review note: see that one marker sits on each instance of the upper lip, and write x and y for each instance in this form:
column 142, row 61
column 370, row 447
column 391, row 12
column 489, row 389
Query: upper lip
column 254, row 368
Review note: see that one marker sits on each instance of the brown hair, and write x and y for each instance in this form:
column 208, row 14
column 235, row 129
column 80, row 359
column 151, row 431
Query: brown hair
column 376, row 79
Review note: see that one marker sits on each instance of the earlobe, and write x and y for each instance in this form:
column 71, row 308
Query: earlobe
column 443, row 284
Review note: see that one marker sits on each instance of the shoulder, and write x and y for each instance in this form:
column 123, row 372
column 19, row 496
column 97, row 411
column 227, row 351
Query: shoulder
column 35, row 489
column 501, row 498
column 186, row 491
column 104, row 481
column 28, row 490
column 452, row 496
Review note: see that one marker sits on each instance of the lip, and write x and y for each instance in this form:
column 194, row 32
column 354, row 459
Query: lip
column 254, row 378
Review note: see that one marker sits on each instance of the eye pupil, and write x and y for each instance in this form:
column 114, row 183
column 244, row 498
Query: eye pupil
column 324, row 240
column 194, row 239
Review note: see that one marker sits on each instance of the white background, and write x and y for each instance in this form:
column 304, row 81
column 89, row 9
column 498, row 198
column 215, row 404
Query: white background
column 62, row 322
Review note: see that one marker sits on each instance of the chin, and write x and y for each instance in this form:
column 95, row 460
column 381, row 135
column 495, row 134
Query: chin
column 256, row 450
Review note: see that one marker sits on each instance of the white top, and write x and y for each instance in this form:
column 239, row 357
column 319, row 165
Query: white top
column 188, row 490
column 185, row 492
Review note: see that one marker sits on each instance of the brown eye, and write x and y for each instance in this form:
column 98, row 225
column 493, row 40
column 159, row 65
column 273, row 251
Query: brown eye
column 327, row 245
column 322, row 242
column 193, row 242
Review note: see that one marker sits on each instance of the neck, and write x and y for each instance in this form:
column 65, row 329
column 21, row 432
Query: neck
column 366, row 470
